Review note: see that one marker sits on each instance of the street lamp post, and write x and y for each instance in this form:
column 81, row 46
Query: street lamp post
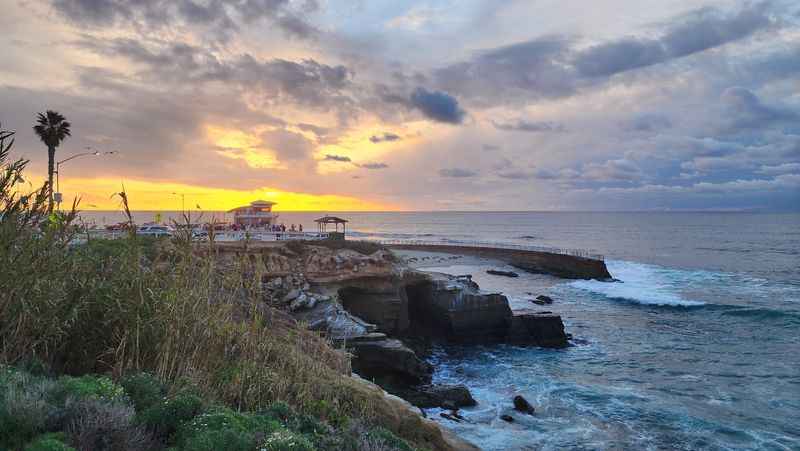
column 183, row 200
column 93, row 152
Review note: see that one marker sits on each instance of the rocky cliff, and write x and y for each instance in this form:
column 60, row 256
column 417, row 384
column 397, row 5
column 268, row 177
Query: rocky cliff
column 371, row 302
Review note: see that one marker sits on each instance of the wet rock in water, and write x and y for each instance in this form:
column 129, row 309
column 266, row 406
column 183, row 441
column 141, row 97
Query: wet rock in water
column 450, row 417
column 543, row 329
column 507, row 418
column 522, row 405
column 497, row 272
column 389, row 361
column 545, row 299
column 445, row 396
column 454, row 413
column 537, row 302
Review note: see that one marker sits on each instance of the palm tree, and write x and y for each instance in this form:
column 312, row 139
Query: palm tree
column 52, row 128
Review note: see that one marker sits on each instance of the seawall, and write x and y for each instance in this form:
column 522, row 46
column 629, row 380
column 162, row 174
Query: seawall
column 561, row 265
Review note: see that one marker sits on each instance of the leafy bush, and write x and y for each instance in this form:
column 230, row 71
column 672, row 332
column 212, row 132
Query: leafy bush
column 88, row 387
column 225, row 430
column 168, row 415
column 284, row 440
column 49, row 442
column 143, row 389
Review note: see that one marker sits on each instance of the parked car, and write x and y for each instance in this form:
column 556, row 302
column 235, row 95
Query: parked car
column 154, row 230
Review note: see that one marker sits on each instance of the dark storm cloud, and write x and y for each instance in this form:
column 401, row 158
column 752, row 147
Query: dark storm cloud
column 384, row 137
column 305, row 82
column 746, row 110
column 701, row 30
column 337, row 158
column 222, row 17
column 373, row 165
column 619, row 56
column 457, row 172
column 522, row 125
column 315, row 129
column 536, row 67
column 555, row 66
column 439, row 106
column 515, row 175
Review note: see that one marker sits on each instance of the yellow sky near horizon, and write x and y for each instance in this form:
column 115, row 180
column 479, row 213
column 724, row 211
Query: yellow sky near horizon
column 146, row 195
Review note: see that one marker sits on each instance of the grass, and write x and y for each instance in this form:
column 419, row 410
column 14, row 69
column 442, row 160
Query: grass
column 98, row 415
column 171, row 331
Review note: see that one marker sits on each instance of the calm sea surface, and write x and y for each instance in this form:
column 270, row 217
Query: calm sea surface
column 697, row 348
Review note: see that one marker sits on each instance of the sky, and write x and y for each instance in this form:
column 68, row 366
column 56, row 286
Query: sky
column 412, row 105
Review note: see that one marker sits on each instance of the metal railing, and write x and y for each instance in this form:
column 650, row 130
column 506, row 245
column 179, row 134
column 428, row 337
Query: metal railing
column 221, row 235
column 582, row 253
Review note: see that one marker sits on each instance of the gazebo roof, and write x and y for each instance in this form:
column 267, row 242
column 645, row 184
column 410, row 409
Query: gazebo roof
column 330, row 220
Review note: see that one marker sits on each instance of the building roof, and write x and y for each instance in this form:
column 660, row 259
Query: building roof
column 262, row 203
column 255, row 203
column 330, row 220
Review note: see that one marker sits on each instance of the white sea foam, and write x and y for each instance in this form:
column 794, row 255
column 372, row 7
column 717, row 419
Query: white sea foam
column 641, row 283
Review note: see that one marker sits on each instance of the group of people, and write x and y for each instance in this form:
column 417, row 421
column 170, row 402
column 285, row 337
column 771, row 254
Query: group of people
column 282, row 228
column 272, row 228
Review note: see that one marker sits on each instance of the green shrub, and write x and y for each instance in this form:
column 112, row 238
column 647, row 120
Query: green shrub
column 167, row 416
column 284, row 440
column 49, row 442
column 224, row 429
column 225, row 440
column 279, row 411
column 88, row 387
column 143, row 389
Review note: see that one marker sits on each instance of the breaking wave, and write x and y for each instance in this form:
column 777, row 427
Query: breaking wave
column 641, row 284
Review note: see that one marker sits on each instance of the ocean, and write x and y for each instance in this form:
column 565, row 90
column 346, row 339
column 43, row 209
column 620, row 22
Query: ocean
column 697, row 346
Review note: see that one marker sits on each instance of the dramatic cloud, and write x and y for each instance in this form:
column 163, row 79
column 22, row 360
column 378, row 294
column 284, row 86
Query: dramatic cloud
column 555, row 66
column 522, row 125
column 457, row 172
column 224, row 17
column 748, row 111
column 306, row 82
column 338, row 158
column 439, row 106
column 701, row 30
column 384, row 137
column 668, row 105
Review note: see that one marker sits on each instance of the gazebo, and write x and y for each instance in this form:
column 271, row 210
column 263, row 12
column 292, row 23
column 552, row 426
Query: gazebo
column 322, row 224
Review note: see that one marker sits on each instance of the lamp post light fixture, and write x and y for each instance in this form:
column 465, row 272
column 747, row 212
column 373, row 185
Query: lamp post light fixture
column 57, row 196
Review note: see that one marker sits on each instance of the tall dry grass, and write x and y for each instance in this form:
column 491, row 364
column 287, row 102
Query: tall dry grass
column 154, row 305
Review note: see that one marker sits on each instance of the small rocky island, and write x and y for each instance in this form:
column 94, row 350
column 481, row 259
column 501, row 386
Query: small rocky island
column 364, row 298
